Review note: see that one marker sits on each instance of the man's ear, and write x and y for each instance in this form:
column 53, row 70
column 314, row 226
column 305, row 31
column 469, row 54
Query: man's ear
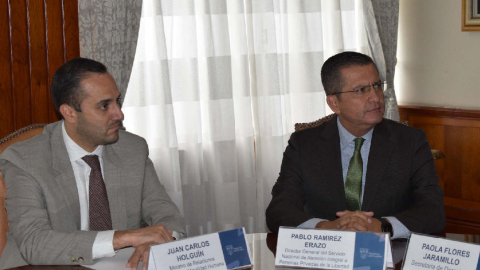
column 333, row 103
column 68, row 113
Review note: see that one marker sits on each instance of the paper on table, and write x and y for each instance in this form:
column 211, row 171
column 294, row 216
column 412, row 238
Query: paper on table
column 389, row 255
column 117, row 262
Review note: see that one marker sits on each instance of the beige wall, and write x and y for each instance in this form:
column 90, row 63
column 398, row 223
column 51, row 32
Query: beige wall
column 438, row 64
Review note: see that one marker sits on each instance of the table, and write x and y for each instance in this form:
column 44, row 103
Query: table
column 262, row 248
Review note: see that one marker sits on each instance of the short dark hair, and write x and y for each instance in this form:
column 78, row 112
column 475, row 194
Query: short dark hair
column 66, row 82
column 332, row 78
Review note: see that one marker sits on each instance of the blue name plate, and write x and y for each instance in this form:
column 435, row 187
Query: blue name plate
column 329, row 249
column 223, row 250
column 427, row 252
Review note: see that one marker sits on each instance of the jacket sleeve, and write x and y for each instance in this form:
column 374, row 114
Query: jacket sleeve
column 288, row 198
column 157, row 207
column 426, row 211
column 29, row 223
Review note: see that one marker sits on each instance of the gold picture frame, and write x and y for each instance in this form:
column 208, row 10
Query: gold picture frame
column 470, row 15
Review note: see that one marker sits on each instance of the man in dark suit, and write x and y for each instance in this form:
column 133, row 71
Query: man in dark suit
column 85, row 188
column 357, row 171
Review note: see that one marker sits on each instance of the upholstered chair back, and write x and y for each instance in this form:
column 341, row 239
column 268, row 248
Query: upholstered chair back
column 300, row 126
column 437, row 154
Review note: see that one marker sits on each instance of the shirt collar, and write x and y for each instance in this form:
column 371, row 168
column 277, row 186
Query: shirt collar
column 76, row 152
column 346, row 137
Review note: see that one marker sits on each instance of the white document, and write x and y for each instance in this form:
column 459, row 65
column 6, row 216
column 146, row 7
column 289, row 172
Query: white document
column 428, row 252
column 332, row 249
column 188, row 253
column 117, row 262
column 216, row 251
column 389, row 254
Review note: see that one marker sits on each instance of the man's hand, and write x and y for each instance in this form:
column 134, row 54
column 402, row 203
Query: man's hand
column 140, row 254
column 375, row 226
column 133, row 238
column 356, row 221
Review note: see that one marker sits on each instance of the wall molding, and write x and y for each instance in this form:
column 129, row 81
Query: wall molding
column 439, row 111
column 456, row 132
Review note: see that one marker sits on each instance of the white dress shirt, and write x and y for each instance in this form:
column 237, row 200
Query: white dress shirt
column 103, row 244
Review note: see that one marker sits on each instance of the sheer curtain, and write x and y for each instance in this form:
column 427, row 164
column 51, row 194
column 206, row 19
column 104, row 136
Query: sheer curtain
column 189, row 97
column 290, row 42
column 213, row 77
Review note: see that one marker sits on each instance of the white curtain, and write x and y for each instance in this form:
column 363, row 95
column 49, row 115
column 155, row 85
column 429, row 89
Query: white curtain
column 212, row 77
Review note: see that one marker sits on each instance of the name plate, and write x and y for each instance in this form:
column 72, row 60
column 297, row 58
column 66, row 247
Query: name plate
column 223, row 250
column 328, row 249
column 427, row 252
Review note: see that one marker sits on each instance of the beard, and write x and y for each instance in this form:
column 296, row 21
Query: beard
column 94, row 134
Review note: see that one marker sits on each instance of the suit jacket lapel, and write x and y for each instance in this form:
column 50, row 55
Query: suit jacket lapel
column 64, row 176
column 331, row 160
column 378, row 160
column 112, row 167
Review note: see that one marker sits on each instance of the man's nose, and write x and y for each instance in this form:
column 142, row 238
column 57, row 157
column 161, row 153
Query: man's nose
column 375, row 96
column 117, row 113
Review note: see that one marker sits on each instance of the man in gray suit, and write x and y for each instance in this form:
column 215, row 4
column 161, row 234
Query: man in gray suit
column 357, row 171
column 63, row 208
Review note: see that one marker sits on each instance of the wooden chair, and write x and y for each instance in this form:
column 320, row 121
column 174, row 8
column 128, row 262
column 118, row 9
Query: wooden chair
column 17, row 136
column 437, row 154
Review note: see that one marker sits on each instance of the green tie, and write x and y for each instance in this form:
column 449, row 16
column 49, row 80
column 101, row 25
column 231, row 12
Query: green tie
column 353, row 184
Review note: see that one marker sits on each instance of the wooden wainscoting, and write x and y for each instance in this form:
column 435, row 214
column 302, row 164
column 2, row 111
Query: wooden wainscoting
column 36, row 38
column 456, row 132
